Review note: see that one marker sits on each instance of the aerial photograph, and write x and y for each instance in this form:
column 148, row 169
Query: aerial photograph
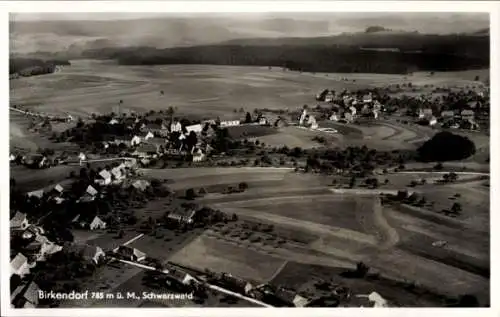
column 181, row 160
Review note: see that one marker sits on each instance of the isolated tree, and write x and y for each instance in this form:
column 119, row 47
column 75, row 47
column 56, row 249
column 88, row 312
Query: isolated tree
column 190, row 194
column 234, row 217
column 476, row 78
column 242, row 186
column 248, row 118
column 361, row 269
column 12, row 183
column 352, row 182
column 456, row 208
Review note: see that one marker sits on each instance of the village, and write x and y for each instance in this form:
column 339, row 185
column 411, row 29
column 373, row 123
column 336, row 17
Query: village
column 107, row 183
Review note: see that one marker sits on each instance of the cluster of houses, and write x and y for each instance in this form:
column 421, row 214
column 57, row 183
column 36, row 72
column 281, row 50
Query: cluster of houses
column 346, row 107
column 464, row 119
column 153, row 140
column 36, row 248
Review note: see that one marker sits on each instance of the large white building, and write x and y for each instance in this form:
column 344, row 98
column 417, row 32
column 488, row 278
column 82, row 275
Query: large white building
column 230, row 123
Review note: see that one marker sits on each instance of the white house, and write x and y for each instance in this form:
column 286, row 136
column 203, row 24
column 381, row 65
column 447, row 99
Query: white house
column 329, row 96
column 302, row 117
column 432, row 121
column 230, row 123
column 334, row 117
column 36, row 193
column 117, row 173
column 58, row 189
column 19, row 265
column 367, row 98
column 92, row 223
column 97, row 223
column 353, row 110
column 198, row 156
column 12, row 157
column 176, row 127
column 113, row 121
column 136, row 140
column 90, row 194
column 263, row 121
column 19, row 222
column 148, row 136
column 140, row 184
column 196, row 128
column 104, row 178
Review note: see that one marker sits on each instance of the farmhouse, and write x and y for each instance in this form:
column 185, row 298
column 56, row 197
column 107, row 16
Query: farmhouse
column 425, row 113
column 367, row 98
column 117, row 173
column 140, row 184
column 89, row 195
column 334, row 117
column 145, row 150
column 198, row 156
column 12, row 157
column 235, row 284
column 103, row 178
column 182, row 215
column 447, row 114
column 291, row 298
column 131, row 254
column 467, row 115
column 196, row 128
column 230, row 123
column 19, row 222
column 91, row 222
column 36, row 193
column 432, row 121
column 32, row 231
column 147, row 135
column 19, row 265
column 180, row 277
column 25, row 296
column 113, row 121
column 58, row 189
column 153, row 127
column 176, row 127
column 89, row 252
column 41, row 247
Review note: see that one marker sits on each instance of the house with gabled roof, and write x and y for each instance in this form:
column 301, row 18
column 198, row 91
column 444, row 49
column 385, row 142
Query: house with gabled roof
column 36, row 193
column 19, row 265
column 467, row 114
column 89, row 221
column 89, row 252
column 25, row 295
column 41, row 247
column 448, row 114
column 145, row 150
column 89, row 195
column 58, row 189
column 291, row 298
column 198, row 155
column 147, row 135
column 182, row 215
column 32, row 231
column 19, row 222
column 103, row 178
column 117, row 174
column 196, row 128
column 140, row 184
column 130, row 254
column 180, row 276
column 176, row 126
column 235, row 284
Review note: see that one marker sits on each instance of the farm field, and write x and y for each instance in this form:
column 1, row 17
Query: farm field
column 97, row 86
column 220, row 256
